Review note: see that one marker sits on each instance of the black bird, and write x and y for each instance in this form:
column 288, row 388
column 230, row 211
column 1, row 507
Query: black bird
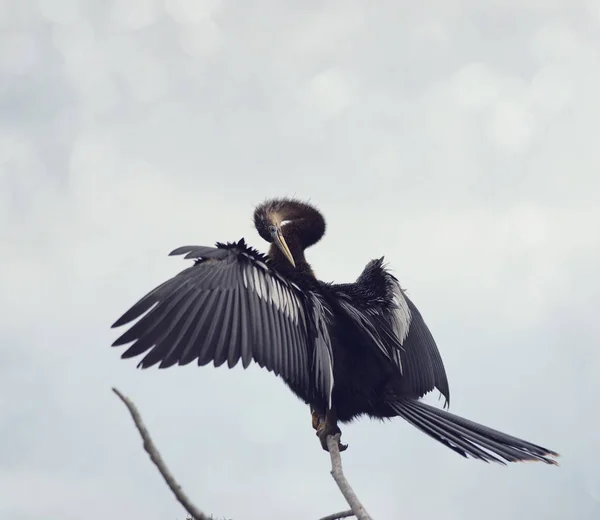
column 345, row 349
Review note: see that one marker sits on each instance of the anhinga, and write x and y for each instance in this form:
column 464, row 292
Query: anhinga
column 345, row 349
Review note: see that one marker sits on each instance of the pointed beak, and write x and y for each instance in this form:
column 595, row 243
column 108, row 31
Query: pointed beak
column 281, row 244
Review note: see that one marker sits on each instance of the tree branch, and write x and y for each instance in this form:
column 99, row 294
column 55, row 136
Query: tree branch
column 336, row 471
column 159, row 462
column 338, row 516
column 333, row 442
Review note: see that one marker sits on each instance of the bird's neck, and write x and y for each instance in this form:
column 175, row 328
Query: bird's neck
column 283, row 265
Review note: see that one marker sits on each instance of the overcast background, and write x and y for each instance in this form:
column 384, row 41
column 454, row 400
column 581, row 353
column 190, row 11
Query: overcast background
column 458, row 138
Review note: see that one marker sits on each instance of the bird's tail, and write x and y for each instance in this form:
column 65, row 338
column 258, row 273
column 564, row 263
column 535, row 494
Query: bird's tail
column 468, row 438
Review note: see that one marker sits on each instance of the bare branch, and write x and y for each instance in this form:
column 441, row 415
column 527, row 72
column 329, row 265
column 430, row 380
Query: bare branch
column 337, row 473
column 158, row 461
column 333, row 442
column 338, row 516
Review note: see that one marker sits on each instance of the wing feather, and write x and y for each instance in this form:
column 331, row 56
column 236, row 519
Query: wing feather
column 192, row 333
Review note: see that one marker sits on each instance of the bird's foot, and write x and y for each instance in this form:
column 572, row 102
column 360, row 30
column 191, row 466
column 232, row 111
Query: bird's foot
column 316, row 419
column 325, row 427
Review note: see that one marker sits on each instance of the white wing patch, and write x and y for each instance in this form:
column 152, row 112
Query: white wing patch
column 401, row 316
column 281, row 295
column 271, row 290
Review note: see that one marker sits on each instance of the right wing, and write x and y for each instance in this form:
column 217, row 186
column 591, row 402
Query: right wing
column 229, row 306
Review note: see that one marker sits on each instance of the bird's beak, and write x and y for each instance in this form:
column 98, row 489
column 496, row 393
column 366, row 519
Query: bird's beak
column 281, row 244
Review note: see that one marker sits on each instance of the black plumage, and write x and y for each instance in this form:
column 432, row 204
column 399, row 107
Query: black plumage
column 347, row 350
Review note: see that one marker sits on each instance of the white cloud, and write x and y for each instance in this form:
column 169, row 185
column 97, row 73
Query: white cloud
column 146, row 80
column 477, row 85
column 136, row 14
column 74, row 41
column 327, row 28
column 511, row 126
column 190, row 11
column 18, row 54
column 202, row 39
column 60, row 11
column 331, row 92
column 552, row 89
column 89, row 75
column 531, row 226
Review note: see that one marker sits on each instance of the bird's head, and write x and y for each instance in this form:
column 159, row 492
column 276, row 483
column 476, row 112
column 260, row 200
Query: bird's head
column 278, row 219
column 269, row 221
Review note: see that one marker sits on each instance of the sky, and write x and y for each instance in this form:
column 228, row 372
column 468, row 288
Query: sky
column 457, row 138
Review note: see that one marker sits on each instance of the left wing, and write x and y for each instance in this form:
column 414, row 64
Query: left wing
column 392, row 322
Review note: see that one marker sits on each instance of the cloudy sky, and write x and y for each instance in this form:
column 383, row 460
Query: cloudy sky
column 458, row 138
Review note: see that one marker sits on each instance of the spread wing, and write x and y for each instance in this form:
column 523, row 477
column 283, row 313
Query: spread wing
column 394, row 325
column 229, row 306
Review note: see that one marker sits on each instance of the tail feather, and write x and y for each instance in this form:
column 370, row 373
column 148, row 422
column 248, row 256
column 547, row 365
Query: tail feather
column 469, row 438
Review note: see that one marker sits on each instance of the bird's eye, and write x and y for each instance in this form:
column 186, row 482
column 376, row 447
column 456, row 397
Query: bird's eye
column 272, row 229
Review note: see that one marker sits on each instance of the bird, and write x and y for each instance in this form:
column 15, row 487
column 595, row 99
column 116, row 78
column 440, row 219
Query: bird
column 347, row 350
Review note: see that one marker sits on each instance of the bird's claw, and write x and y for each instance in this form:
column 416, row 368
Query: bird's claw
column 341, row 446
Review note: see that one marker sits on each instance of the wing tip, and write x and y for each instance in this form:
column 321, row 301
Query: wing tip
column 179, row 250
column 120, row 322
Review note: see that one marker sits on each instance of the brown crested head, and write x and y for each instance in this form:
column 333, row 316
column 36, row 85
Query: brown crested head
column 295, row 219
column 290, row 226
